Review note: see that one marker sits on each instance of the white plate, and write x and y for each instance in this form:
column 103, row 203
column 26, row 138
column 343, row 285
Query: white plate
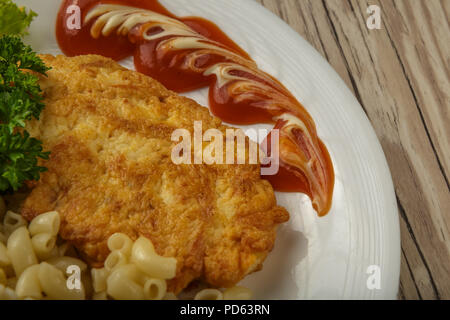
column 314, row 258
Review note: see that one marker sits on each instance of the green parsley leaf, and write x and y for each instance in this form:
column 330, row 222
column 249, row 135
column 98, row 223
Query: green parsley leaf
column 19, row 158
column 13, row 51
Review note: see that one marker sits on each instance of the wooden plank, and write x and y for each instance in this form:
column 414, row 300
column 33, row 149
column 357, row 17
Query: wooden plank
column 400, row 76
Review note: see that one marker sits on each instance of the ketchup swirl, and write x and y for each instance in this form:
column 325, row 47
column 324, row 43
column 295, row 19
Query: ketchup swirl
column 186, row 54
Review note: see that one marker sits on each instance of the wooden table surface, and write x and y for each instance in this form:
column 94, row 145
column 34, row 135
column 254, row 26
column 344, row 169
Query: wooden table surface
column 400, row 75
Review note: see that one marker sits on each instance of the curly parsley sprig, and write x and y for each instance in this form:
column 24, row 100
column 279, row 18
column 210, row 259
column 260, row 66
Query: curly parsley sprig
column 18, row 159
column 20, row 101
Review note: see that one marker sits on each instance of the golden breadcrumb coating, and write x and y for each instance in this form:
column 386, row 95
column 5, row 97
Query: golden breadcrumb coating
column 109, row 132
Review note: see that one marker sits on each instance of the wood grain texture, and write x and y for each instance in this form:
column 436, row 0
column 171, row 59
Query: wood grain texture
column 400, row 75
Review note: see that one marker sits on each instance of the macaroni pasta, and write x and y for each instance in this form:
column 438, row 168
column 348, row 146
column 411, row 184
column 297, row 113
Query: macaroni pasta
column 34, row 266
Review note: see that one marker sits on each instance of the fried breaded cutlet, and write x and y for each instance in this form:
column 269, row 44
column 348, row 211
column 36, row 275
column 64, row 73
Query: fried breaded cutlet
column 110, row 170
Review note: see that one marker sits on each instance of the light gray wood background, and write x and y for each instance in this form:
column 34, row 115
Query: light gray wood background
column 400, row 75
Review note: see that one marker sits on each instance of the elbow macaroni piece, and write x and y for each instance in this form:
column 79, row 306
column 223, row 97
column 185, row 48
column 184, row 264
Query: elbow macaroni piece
column 237, row 293
column 12, row 221
column 45, row 223
column 43, row 245
column 28, row 284
column 155, row 289
column 148, row 261
column 209, row 294
column 20, row 250
column 115, row 259
column 123, row 283
column 120, row 242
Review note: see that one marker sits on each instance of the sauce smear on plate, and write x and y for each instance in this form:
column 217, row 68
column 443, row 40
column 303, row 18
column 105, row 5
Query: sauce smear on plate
column 189, row 53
